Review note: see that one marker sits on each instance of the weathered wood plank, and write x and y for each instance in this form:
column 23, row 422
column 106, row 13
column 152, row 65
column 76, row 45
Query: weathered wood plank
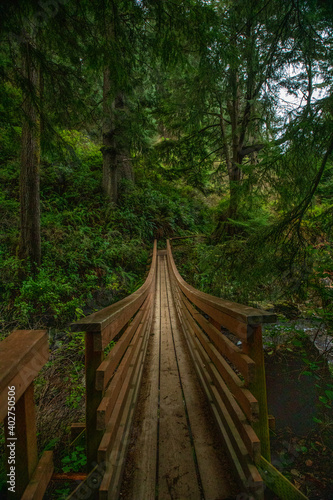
column 26, row 441
column 237, row 327
column 177, row 475
column 121, row 459
column 106, row 369
column 241, row 361
column 140, row 470
column 245, row 430
column 89, row 487
column 111, row 483
column 225, row 437
column 22, row 355
column 241, row 313
column 109, row 488
column 245, row 398
column 121, row 401
column 254, row 348
column 247, row 473
column 214, row 469
column 110, row 397
column 93, row 398
column 40, row 478
column 238, row 419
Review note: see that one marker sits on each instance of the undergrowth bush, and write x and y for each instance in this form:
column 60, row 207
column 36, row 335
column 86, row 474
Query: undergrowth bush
column 93, row 253
column 257, row 267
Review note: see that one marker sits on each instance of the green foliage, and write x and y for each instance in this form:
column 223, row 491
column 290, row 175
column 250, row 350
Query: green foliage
column 51, row 444
column 77, row 388
column 158, row 210
column 62, row 493
column 93, row 254
column 46, row 294
column 75, row 461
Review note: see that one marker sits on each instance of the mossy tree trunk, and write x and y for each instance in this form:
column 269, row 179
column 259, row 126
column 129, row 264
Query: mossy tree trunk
column 29, row 249
column 110, row 182
column 116, row 158
column 115, row 150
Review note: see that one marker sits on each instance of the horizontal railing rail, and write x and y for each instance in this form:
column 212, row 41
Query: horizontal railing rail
column 22, row 355
column 113, row 382
column 233, row 379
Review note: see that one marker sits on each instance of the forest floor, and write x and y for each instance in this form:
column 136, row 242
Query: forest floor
column 299, row 383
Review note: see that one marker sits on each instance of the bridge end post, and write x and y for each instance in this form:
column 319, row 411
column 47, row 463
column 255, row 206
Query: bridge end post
column 93, row 359
column 254, row 348
column 26, row 435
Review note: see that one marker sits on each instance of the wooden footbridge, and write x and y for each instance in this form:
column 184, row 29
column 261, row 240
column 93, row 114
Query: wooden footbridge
column 176, row 409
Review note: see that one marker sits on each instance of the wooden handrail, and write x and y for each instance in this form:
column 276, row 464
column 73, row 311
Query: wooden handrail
column 240, row 405
column 107, row 322
column 235, row 402
column 22, row 355
column 244, row 314
column 112, row 382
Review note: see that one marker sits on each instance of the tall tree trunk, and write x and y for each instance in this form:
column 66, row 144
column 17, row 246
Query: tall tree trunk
column 235, row 172
column 116, row 159
column 115, row 151
column 110, row 181
column 234, row 153
column 123, row 161
column 30, row 240
column 235, row 177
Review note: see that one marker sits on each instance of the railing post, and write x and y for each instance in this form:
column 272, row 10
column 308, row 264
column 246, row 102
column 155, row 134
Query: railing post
column 93, row 398
column 26, row 456
column 254, row 348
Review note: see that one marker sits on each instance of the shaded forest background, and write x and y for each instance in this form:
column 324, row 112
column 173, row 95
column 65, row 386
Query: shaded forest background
column 125, row 121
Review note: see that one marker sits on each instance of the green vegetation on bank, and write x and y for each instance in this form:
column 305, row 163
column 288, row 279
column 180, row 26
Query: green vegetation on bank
column 93, row 253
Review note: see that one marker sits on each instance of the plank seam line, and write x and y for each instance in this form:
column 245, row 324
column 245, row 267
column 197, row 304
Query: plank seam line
column 159, row 381
column 195, row 460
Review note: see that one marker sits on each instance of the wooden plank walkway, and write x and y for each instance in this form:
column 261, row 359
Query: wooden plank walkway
column 175, row 450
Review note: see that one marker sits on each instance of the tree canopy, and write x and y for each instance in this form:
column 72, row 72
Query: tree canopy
column 231, row 98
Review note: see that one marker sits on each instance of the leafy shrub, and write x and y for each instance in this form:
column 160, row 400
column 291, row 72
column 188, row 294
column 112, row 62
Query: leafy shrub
column 92, row 253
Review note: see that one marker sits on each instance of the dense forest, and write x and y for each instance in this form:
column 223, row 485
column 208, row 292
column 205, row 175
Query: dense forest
column 125, row 121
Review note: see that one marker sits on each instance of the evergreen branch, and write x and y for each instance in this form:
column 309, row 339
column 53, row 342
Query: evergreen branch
column 294, row 218
column 211, row 153
column 203, row 130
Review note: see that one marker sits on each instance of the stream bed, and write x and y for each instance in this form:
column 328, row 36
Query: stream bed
column 298, row 363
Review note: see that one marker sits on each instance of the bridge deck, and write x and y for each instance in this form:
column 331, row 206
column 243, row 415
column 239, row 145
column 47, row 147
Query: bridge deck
column 174, row 451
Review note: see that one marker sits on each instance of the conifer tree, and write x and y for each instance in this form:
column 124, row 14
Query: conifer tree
column 45, row 66
column 30, row 239
column 227, row 97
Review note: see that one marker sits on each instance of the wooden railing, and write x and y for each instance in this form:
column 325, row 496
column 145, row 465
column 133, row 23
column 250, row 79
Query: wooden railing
column 113, row 381
column 233, row 378
column 22, row 355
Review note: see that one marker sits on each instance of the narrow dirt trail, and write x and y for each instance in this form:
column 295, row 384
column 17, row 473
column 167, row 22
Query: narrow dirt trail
column 175, row 450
